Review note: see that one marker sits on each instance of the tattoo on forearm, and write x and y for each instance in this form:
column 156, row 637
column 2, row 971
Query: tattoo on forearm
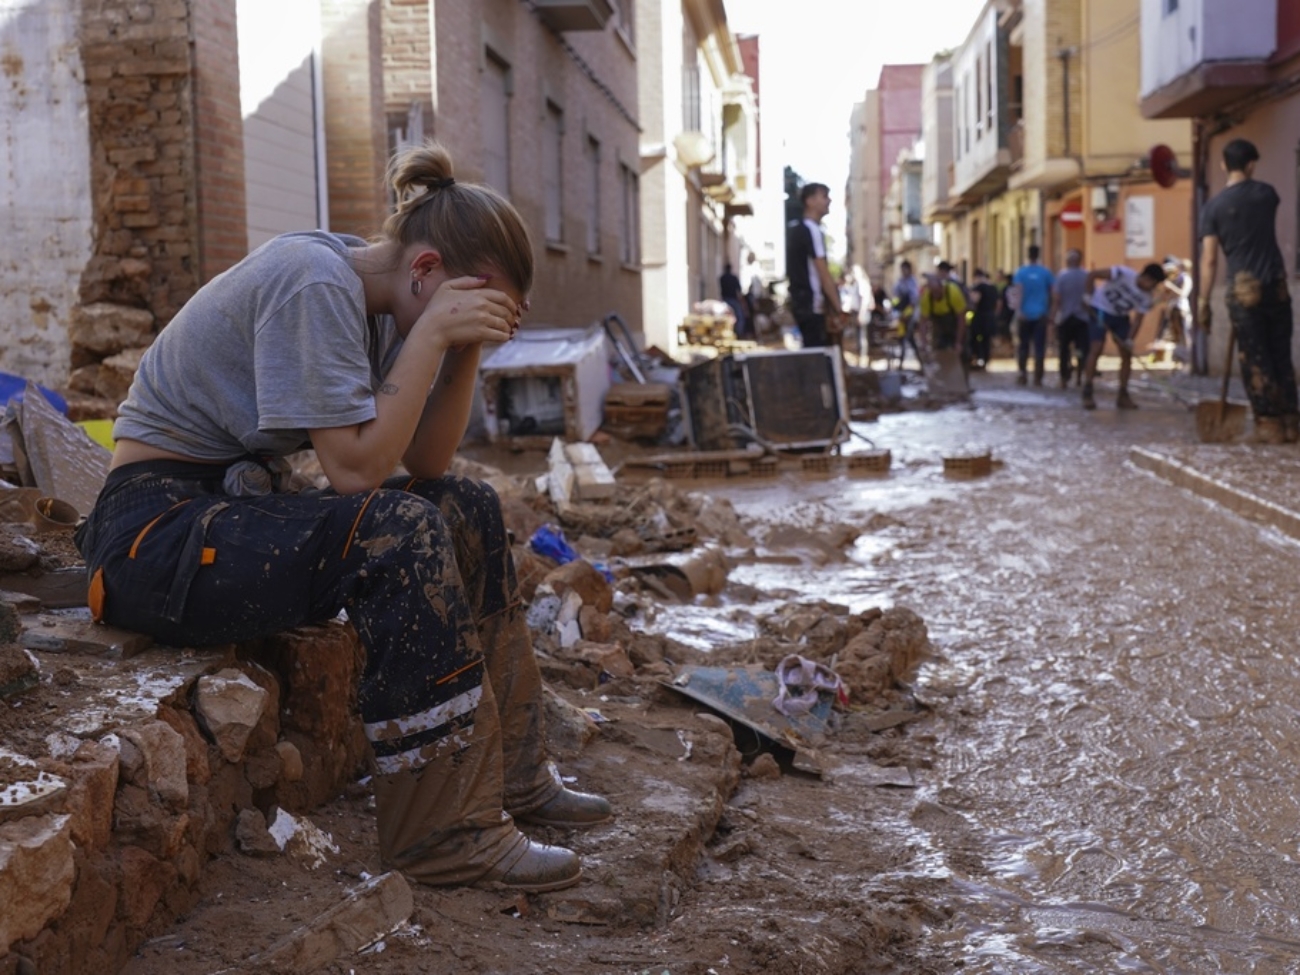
column 389, row 389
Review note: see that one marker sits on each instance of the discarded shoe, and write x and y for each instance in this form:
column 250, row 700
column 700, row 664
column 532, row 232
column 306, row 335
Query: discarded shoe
column 1088, row 402
column 570, row 810
column 1124, row 401
column 534, row 867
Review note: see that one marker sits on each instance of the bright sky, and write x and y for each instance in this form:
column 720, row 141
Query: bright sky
column 819, row 57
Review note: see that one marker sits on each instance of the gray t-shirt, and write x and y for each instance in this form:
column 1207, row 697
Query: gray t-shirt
column 1071, row 294
column 278, row 345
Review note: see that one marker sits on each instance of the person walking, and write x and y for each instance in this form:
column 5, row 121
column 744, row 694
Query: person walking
column 1120, row 297
column 814, row 298
column 983, row 320
column 1033, row 313
column 1071, row 295
column 367, row 352
column 907, row 305
column 1240, row 221
column 732, row 293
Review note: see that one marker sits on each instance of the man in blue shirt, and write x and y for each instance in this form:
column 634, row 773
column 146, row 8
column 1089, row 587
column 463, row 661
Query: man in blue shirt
column 1037, row 305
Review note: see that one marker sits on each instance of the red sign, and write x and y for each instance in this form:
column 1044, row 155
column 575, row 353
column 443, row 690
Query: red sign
column 1108, row 225
column 1071, row 214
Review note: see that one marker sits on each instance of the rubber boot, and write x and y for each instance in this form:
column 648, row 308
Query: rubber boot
column 1291, row 427
column 1269, row 430
column 443, row 823
column 534, row 792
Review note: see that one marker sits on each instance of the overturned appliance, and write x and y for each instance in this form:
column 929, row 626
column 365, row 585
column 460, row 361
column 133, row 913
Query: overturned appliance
column 788, row 400
column 546, row 383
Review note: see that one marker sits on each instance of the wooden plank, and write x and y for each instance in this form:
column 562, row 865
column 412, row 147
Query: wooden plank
column 562, row 475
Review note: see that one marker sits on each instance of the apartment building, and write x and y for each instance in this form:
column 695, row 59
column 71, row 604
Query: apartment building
column 699, row 146
column 885, row 123
column 177, row 135
column 1230, row 68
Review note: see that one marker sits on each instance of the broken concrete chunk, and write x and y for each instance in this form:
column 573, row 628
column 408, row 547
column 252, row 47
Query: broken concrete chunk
column 301, row 838
column 105, row 329
column 94, row 772
column 36, row 875
column 252, row 837
column 17, row 551
column 229, row 705
column 367, row 913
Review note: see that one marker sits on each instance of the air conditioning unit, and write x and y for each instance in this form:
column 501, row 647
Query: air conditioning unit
column 790, row 400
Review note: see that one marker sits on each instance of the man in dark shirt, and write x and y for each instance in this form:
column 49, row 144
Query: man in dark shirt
column 1240, row 221
column 729, row 286
column 813, row 296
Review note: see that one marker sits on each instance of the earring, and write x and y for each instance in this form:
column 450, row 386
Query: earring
column 416, row 284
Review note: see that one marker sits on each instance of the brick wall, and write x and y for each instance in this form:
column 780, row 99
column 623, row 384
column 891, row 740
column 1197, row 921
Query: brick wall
column 140, row 97
column 218, row 137
column 355, row 132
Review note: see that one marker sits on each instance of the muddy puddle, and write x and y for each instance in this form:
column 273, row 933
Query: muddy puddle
column 1114, row 684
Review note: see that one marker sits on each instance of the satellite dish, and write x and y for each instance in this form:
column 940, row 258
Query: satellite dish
column 1164, row 166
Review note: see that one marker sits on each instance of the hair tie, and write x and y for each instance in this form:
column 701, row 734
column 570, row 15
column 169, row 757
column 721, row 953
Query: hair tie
column 442, row 184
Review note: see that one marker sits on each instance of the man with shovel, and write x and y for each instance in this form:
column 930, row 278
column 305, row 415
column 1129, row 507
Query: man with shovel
column 1240, row 221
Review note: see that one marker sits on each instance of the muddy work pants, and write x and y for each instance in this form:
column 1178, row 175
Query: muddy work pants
column 1262, row 318
column 450, row 694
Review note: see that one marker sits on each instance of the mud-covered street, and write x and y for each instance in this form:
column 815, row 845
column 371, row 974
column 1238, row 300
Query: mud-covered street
column 1098, row 778
column 1113, row 690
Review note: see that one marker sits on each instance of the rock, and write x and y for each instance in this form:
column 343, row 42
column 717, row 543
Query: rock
column 197, row 767
column 606, row 658
column 319, row 667
column 93, row 773
column 262, row 768
column 252, row 837
column 28, row 790
column 161, row 768
column 105, row 329
column 144, row 879
column 764, row 767
column 229, row 705
column 10, row 626
column 116, row 373
column 301, row 838
column 290, row 760
column 569, row 729
column 584, row 578
column 595, row 625
column 18, row 670
column 36, row 875
column 17, row 551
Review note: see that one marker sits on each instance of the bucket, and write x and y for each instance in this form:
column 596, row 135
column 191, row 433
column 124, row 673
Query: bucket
column 54, row 515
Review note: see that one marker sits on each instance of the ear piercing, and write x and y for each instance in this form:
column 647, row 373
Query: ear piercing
column 416, row 284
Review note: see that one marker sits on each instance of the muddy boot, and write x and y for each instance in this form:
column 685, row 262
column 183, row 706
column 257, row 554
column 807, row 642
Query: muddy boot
column 1291, row 427
column 1088, row 402
column 533, row 790
column 442, row 823
column 1038, row 377
column 1269, row 430
column 1124, row 401
column 1022, row 379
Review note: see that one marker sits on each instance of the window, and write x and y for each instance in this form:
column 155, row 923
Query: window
column 691, row 112
column 627, row 20
column 593, row 195
column 553, row 171
column 1171, row 6
column 988, row 85
column 494, row 114
column 956, row 120
column 979, row 98
column 630, row 216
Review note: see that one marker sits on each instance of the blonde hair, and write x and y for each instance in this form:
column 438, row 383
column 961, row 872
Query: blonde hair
column 471, row 225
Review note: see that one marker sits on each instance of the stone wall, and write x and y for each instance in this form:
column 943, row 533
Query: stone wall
column 168, row 758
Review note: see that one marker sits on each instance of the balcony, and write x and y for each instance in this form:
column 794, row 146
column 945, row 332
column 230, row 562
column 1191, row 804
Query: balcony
column 574, row 15
column 1016, row 145
column 1205, row 55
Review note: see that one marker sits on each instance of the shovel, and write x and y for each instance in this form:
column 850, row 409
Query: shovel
column 1218, row 421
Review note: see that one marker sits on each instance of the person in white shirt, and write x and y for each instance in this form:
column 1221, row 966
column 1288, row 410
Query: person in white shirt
column 1120, row 297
